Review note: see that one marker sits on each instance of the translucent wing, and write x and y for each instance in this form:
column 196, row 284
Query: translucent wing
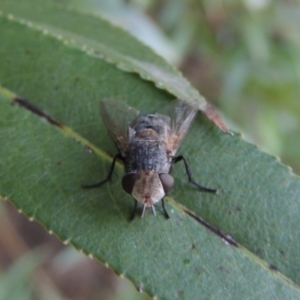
column 117, row 117
column 181, row 117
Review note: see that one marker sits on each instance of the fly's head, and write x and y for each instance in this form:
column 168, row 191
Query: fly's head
column 147, row 187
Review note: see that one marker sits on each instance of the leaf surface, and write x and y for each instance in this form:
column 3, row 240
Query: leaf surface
column 42, row 168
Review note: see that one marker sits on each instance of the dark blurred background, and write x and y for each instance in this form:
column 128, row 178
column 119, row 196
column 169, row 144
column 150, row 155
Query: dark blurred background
column 243, row 56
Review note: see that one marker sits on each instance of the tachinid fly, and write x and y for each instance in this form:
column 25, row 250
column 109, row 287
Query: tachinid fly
column 147, row 146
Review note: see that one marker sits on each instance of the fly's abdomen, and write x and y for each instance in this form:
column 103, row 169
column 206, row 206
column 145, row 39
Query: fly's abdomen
column 147, row 155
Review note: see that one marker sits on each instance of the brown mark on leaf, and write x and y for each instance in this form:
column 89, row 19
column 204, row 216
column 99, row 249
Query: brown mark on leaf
column 226, row 238
column 88, row 149
column 37, row 111
column 224, row 270
column 259, row 252
column 198, row 271
column 180, row 293
column 273, row 268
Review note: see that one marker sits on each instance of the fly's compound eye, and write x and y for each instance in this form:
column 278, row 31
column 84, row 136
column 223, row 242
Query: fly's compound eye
column 128, row 182
column 167, row 182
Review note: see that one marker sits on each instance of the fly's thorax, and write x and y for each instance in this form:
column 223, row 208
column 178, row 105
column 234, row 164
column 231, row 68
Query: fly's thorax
column 148, row 187
column 147, row 134
column 158, row 123
column 146, row 155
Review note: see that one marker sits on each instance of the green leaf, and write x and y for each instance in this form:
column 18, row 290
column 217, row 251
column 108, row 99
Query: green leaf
column 42, row 167
column 93, row 36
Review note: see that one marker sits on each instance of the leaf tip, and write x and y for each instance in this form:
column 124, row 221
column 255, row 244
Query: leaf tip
column 212, row 115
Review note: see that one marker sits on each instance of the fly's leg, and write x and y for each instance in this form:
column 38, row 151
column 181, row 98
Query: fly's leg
column 109, row 175
column 163, row 206
column 134, row 210
column 189, row 174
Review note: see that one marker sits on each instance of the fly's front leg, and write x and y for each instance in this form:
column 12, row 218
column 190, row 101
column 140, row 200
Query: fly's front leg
column 163, row 206
column 108, row 178
column 189, row 174
column 134, row 211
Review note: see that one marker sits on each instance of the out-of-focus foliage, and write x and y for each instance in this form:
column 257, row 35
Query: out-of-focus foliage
column 245, row 57
column 132, row 19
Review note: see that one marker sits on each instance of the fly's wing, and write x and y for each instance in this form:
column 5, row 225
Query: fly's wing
column 181, row 115
column 117, row 117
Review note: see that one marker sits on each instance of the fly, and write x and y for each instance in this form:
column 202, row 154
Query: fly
column 147, row 146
